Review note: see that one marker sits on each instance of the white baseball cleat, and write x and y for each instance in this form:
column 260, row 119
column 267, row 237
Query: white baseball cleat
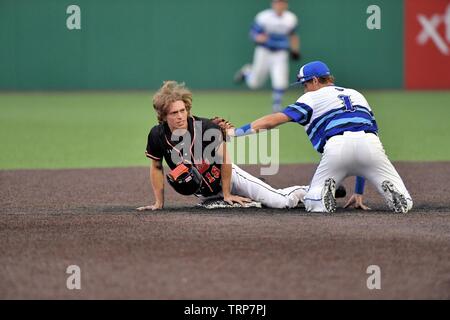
column 395, row 200
column 328, row 192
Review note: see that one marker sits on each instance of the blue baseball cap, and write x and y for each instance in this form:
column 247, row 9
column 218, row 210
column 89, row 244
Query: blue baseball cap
column 310, row 70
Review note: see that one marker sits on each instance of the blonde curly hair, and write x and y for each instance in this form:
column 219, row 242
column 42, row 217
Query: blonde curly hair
column 170, row 92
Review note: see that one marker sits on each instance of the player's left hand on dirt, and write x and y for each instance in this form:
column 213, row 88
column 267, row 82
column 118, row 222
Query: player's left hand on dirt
column 356, row 202
column 295, row 55
column 224, row 125
column 233, row 198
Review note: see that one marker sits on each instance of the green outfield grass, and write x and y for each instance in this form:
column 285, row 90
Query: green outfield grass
column 109, row 129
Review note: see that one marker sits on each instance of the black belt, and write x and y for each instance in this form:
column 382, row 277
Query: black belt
column 273, row 49
column 342, row 133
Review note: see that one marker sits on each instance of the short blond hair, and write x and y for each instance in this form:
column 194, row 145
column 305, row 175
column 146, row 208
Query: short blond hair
column 326, row 79
column 170, row 92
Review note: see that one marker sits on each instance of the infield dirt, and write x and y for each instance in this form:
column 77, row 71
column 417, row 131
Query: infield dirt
column 50, row 219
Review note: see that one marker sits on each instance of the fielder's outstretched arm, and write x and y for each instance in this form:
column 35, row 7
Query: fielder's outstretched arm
column 267, row 122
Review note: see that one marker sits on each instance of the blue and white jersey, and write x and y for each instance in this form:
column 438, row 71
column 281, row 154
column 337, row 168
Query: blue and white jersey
column 278, row 28
column 330, row 111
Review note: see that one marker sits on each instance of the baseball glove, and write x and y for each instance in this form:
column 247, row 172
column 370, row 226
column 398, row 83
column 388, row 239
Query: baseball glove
column 295, row 55
column 224, row 125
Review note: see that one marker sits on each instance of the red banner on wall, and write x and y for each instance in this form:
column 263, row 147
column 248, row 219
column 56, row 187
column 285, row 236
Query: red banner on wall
column 427, row 44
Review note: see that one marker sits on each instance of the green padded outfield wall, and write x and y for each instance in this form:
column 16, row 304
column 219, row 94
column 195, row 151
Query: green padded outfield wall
column 136, row 44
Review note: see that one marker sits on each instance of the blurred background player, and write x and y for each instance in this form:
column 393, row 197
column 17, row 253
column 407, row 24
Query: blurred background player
column 274, row 33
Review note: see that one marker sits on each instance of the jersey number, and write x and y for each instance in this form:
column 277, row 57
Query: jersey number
column 215, row 174
column 347, row 103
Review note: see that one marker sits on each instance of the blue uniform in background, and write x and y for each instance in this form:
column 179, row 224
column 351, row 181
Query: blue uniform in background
column 272, row 56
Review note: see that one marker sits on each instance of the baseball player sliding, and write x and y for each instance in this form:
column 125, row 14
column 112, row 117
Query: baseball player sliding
column 195, row 150
column 340, row 124
column 274, row 33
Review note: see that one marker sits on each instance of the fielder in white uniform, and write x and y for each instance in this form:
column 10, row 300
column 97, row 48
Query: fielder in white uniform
column 274, row 33
column 181, row 138
column 340, row 124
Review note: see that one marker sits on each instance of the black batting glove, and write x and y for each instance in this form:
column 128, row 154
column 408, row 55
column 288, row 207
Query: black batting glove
column 295, row 55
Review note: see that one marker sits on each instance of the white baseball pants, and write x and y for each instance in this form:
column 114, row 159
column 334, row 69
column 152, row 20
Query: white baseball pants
column 353, row 154
column 264, row 62
column 245, row 185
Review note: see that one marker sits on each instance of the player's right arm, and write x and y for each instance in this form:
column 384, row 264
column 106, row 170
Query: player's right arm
column 257, row 32
column 299, row 112
column 154, row 152
column 270, row 121
column 267, row 122
column 157, row 182
column 294, row 41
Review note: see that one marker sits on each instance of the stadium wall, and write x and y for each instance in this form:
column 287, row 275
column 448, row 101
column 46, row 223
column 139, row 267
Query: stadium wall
column 137, row 44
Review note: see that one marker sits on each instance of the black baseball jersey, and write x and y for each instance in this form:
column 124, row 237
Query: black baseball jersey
column 190, row 147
